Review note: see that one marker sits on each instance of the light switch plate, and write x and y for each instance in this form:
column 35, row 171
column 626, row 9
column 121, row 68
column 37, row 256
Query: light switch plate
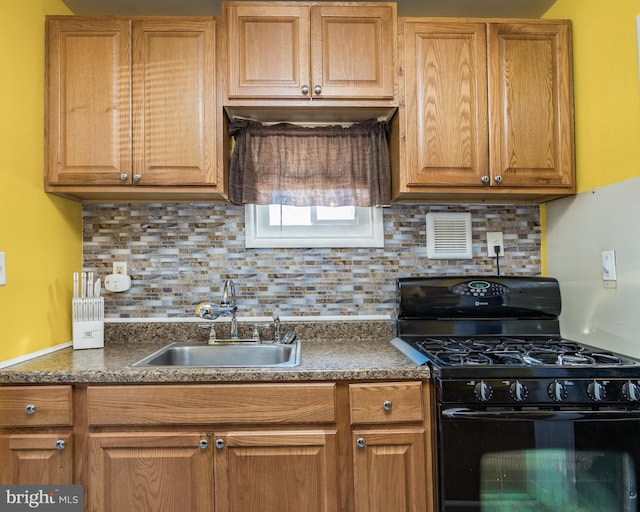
column 609, row 266
column 3, row 270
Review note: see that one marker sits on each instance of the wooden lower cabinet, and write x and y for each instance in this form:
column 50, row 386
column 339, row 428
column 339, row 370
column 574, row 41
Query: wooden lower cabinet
column 150, row 471
column 36, row 439
column 36, row 458
column 391, row 446
column 267, row 447
column 254, row 471
column 389, row 470
column 276, row 471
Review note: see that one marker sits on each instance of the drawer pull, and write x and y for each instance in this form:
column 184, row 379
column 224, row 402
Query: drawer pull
column 60, row 444
column 360, row 442
column 387, row 405
column 31, row 409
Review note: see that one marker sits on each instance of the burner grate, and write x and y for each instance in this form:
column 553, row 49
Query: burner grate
column 510, row 351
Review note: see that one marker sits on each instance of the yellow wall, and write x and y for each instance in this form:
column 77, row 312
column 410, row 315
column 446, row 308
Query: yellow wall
column 39, row 234
column 607, row 89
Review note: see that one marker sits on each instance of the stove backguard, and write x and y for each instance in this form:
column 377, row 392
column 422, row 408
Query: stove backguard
column 478, row 305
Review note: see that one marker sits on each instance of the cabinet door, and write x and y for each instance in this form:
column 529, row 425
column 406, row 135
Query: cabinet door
column 88, row 101
column 389, row 470
column 174, row 101
column 153, row 472
column 352, row 51
column 268, row 50
column 36, row 459
column 283, row 471
column 531, row 104
column 446, row 105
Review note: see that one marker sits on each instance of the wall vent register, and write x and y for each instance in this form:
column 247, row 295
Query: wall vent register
column 449, row 236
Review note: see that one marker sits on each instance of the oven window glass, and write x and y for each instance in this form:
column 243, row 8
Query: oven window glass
column 556, row 480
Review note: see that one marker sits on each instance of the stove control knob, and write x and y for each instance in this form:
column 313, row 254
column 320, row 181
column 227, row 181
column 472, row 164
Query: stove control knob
column 518, row 391
column 557, row 391
column 596, row 391
column 631, row 391
column 483, row 391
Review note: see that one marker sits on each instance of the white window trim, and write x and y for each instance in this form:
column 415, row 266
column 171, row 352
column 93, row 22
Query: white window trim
column 367, row 232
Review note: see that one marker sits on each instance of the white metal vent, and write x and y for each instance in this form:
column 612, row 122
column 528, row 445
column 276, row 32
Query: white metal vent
column 449, row 236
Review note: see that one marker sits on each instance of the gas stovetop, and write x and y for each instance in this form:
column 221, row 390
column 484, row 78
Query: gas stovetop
column 517, row 357
column 497, row 340
column 515, row 351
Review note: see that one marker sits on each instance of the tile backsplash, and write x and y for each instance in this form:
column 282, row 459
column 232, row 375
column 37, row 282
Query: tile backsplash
column 179, row 254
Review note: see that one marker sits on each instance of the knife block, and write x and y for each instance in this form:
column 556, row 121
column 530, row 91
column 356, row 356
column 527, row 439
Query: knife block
column 88, row 322
column 88, row 334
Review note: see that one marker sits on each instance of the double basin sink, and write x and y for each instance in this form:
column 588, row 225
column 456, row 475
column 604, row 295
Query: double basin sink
column 223, row 355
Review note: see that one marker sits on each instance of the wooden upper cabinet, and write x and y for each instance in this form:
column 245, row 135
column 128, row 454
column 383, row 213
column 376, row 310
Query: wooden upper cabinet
column 489, row 110
column 88, row 100
column 268, row 50
column 131, row 105
column 446, row 103
column 531, row 104
column 311, row 50
column 174, row 102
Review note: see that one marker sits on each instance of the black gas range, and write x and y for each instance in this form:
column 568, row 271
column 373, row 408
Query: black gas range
column 503, row 334
column 524, row 419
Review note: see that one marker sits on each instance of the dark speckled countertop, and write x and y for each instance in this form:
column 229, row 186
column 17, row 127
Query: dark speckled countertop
column 343, row 351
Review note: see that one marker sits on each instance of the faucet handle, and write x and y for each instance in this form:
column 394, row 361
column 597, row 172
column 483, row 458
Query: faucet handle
column 276, row 328
column 256, row 331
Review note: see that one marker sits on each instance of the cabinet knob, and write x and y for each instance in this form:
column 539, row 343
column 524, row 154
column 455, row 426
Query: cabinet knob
column 305, row 89
column 204, row 444
column 31, row 409
column 124, row 176
column 484, row 179
column 219, row 443
column 498, row 179
column 60, row 444
column 360, row 442
column 317, row 90
column 387, row 405
column 137, row 177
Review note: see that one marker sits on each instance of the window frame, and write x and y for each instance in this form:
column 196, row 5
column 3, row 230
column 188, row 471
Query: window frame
column 367, row 231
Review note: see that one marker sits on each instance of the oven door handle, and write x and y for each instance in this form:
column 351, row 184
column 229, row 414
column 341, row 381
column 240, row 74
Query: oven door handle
column 461, row 413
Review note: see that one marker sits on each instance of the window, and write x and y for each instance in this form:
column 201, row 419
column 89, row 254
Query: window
column 313, row 226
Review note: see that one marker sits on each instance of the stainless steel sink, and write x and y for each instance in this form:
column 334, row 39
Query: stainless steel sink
column 223, row 355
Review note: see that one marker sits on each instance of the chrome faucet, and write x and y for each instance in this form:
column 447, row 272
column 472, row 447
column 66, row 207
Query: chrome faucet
column 276, row 328
column 227, row 307
column 229, row 301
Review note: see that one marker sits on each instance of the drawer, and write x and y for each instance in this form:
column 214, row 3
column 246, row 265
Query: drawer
column 217, row 404
column 35, row 406
column 389, row 402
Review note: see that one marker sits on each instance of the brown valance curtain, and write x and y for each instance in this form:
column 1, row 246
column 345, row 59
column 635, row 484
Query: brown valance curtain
column 319, row 166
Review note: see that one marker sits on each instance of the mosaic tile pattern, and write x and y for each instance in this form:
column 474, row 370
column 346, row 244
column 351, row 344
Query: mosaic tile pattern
column 179, row 254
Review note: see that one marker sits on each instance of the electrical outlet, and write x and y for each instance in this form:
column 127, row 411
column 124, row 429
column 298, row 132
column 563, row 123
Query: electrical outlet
column 494, row 238
column 120, row 267
column 3, row 270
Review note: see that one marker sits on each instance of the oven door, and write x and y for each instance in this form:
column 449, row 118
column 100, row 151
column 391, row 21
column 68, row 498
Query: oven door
column 538, row 460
